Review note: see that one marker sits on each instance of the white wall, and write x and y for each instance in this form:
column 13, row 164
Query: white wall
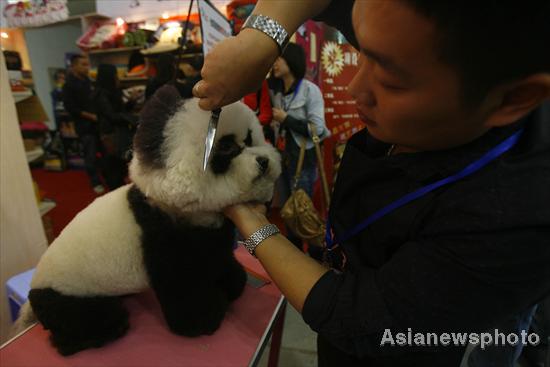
column 22, row 238
column 47, row 47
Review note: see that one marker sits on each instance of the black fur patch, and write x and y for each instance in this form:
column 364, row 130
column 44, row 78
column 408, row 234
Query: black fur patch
column 192, row 269
column 149, row 136
column 78, row 323
column 225, row 150
column 248, row 140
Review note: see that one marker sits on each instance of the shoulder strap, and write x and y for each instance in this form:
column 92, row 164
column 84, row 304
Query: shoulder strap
column 299, row 165
column 320, row 162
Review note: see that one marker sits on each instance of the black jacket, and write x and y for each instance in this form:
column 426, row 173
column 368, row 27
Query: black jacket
column 114, row 119
column 77, row 94
column 462, row 258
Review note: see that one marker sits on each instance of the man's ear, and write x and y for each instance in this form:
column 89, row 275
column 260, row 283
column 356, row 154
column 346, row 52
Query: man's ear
column 517, row 99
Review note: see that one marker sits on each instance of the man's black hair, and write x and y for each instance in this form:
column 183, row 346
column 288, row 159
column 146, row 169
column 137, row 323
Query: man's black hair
column 295, row 58
column 490, row 42
column 75, row 58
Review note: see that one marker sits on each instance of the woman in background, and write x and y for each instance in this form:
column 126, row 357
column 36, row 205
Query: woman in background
column 297, row 102
column 116, row 125
column 166, row 68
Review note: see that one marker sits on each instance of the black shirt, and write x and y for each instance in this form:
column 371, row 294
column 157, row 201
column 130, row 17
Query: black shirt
column 460, row 259
column 77, row 98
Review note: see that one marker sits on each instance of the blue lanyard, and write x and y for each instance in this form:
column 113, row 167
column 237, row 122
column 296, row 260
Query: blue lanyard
column 287, row 106
column 494, row 153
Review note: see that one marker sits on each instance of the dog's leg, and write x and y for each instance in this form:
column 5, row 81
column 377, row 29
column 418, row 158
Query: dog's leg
column 233, row 280
column 78, row 323
column 197, row 310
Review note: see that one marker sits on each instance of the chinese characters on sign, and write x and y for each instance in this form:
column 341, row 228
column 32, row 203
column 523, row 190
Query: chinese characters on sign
column 339, row 64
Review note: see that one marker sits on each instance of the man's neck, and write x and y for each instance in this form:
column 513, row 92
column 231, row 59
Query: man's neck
column 288, row 80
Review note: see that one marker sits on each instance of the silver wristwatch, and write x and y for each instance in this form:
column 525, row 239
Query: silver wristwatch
column 270, row 27
column 257, row 237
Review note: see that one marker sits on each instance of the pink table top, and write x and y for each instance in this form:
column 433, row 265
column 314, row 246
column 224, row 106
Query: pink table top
column 150, row 343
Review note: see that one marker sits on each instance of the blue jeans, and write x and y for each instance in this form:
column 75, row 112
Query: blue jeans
column 503, row 355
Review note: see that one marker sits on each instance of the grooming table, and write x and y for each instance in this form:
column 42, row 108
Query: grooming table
column 245, row 331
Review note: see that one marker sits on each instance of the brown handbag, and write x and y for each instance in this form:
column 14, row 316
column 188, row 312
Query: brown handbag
column 298, row 212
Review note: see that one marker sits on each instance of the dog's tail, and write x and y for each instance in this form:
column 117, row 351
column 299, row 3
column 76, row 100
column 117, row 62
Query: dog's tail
column 25, row 320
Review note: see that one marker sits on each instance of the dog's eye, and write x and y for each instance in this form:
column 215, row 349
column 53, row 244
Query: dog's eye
column 226, row 150
column 227, row 147
column 248, row 140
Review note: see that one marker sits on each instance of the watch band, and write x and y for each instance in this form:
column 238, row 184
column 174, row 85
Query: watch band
column 257, row 237
column 270, row 27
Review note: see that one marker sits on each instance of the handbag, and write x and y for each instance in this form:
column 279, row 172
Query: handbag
column 298, row 212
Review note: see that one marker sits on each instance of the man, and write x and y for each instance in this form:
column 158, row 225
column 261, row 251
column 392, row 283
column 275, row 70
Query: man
column 440, row 85
column 77, row 99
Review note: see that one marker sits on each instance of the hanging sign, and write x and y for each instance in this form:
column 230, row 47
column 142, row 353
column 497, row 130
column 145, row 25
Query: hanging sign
column 214, row 25
column 338, row 67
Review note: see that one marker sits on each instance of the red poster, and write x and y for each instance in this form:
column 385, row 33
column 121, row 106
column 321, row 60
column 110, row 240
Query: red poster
column 338, row 66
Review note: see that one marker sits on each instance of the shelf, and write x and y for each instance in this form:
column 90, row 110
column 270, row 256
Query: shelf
column 21, row 95
column 134, row 79
column 113, row 50
column 34, row 154
column 45, row 206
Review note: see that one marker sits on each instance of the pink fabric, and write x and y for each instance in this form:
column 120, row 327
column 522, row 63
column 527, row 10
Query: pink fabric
column 150, row 343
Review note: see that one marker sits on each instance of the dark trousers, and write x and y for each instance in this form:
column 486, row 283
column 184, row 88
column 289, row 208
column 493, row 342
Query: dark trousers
column 90, row 146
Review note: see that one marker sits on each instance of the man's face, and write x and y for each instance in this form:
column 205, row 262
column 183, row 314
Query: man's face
column 81, row 67
column 405, row 95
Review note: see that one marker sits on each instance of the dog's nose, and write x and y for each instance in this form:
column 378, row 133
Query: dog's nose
column 264, row 163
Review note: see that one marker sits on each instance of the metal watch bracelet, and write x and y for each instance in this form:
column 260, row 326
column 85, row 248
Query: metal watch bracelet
column 270, row 27
column 257, row 237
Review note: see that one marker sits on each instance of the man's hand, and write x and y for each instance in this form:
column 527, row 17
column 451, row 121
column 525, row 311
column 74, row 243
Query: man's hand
column 235, row 67
column 248, row 218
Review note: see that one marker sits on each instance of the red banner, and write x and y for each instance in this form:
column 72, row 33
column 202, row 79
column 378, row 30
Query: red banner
column 338, row 66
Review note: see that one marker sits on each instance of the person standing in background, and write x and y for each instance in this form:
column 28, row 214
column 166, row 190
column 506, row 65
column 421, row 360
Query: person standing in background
column 76, row 98
column 166, row 69
column 297, row 102
column 189, row 73
column 116, row 125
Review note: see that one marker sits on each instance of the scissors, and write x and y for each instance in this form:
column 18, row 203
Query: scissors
column 210, row 135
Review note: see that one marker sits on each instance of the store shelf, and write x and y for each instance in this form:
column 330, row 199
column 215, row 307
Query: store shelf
column 113, row 50
column 34, row 154
column 45, row 206
column 134, row 79
column 22, row 95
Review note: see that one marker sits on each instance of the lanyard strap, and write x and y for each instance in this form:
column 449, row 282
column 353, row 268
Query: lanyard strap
column 287, row 106
column 470, row 169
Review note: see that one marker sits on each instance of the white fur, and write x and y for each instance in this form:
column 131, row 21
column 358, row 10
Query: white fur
column 201, row 196
column 98, row 253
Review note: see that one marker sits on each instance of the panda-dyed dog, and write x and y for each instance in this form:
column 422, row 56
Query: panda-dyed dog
column 166, row 230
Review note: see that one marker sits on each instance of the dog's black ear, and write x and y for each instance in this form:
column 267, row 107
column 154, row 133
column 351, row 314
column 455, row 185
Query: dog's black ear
column 149, row 136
